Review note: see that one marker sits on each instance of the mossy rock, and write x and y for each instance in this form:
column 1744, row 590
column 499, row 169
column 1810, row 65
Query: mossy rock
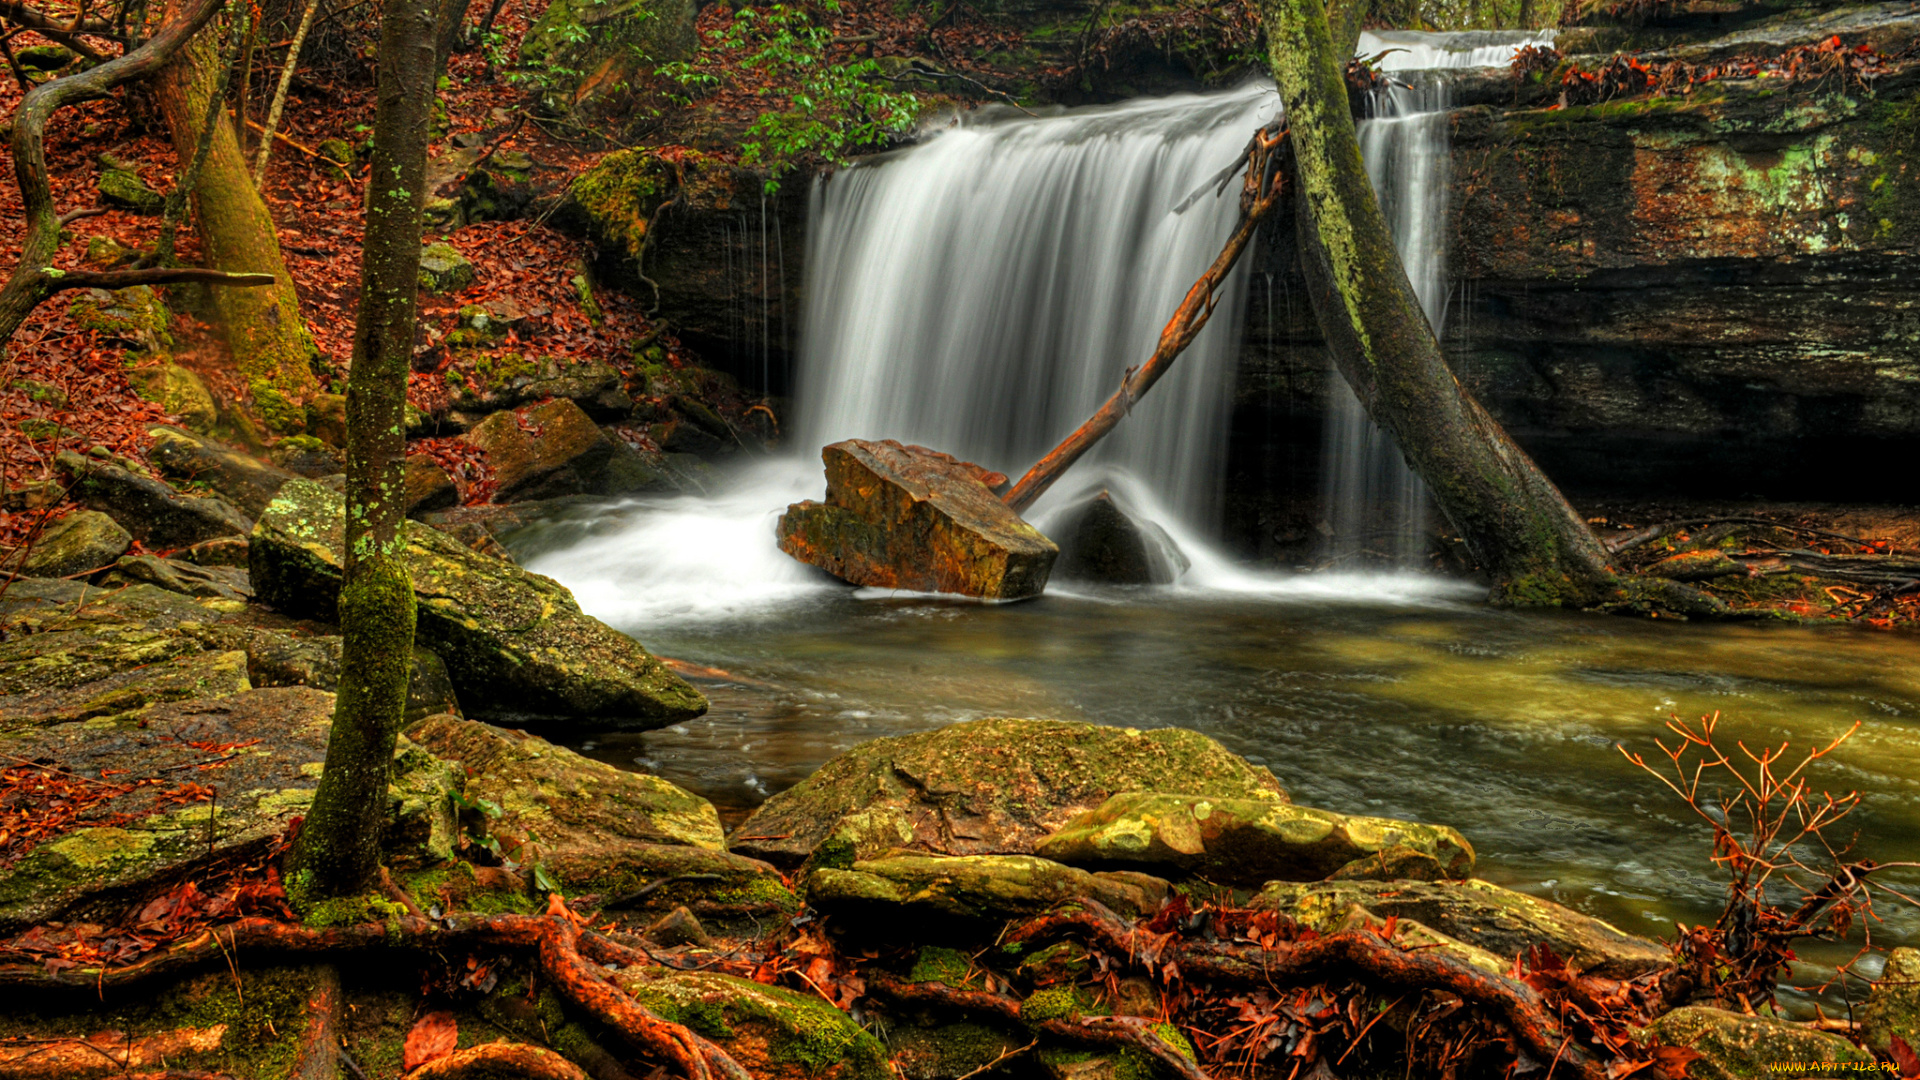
column 986, row 786
column 203, row 1024
column 443, row 269
column 45, row 58
column 1739, row 1047
column 83, row 540
column 974, row 888
column 152, row 510
column 336, row 157
column 514, row 643
column 1893, row 1007
column 185, row 578
column 125, row 190
column 565, row 458
column 134, row 315
column 1501, row 921
column 949, row 1050
column 1248, row 841
column 774, row 1033
column 180, row 392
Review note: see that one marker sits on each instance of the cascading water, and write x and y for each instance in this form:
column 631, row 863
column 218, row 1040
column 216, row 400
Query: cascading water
column 1376, row 507
column 982, row 293
column 985, row 292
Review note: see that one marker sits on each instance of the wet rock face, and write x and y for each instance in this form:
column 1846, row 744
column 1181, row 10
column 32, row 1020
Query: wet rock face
column 988, row 786
column 81, row 541
column 148, row 508
column 1251, row 841
column 559, row 451
column 975, row 887
column 1103, row 543
column 905, row 517
column 1481, row 914
column 514, row 643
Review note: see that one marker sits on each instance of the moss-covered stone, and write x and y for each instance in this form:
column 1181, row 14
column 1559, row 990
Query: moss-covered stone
column 83, row 540
column 125, row 190
column 974, row 887
column 152, row 510
column 134, row 315
column 185, row 578
column 949, row 1050
column 443, row 269
column 1502, row 922
column 997, row 785
column 199, row 462
column 775, row 1034
column 180, row 392
column 1893, row 1007
column 1739, row 1047
column 938, row 964
column 1246, row 841
column 513, row 642
column 121, row 696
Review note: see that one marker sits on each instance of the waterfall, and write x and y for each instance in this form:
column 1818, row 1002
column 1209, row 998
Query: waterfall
column 1376, row 508
column 984, row 292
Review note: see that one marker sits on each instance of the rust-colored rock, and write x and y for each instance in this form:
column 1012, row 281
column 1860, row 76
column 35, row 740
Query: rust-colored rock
column 906, row 517
column 554, row 452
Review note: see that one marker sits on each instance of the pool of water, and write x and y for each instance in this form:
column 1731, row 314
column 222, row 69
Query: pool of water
column 1398, row 697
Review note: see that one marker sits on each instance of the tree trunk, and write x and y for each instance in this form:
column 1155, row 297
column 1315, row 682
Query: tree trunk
column 340, row 842
column 1534, row 547
column 271, row 346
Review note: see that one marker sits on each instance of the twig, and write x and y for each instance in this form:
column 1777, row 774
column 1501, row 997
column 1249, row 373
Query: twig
column 280, row 93
column 995, row 1063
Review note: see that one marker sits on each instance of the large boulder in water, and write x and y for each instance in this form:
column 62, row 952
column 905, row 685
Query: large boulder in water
column 1104, row 543
column 984, row 787
column 515, row 643
column 906, row 517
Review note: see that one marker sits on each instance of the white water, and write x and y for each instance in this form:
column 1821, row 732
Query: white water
column 982, row 293
column 1376, row 506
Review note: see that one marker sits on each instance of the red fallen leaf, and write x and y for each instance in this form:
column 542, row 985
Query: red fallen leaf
column 1674, row 1060
column 1904, row 1057
column 433, row 1036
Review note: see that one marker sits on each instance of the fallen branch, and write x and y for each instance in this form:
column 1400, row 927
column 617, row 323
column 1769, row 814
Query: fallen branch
column 1654, row 532
column 157, row 275
column 1261, row 193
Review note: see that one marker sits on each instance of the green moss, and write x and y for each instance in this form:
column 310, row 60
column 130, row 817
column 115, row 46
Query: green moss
column 940, row 965
column 797, row 1030
column 620, row 194
column 1058, row 1003
column 350, row 911
column 1175, row 1038
column 836, row 852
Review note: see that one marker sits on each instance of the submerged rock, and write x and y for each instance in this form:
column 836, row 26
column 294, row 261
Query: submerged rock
column 1103, row 543
column 1246, row 841
column 150, row 509
column 775, row 1034
column 1480, row 913
column 83, row 540
column 982, row 887
column 514, row 642
column 986, row 786
column 1734, row 1046
column 906, row 517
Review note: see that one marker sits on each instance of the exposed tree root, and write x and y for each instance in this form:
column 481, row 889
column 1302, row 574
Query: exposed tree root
column 109, row 1054
column 1366, row 953
column 1128, row 1031
column 553, row 938
column 500, row 1061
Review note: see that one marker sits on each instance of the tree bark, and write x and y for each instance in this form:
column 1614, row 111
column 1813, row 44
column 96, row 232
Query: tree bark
column 1534, row 547
column 271, row 346
column 339, row 849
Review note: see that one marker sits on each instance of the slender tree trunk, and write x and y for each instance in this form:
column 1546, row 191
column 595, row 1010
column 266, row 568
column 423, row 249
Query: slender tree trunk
column 271, row 346
column 1533, row 545
column 280, row 95
column 340, row 842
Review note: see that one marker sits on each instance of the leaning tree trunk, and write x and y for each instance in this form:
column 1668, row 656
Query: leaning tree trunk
column 271, row 346
column 1535, row 548
column 340, row 841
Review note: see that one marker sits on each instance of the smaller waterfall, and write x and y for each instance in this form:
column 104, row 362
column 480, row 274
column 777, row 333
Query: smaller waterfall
column 1376, row 507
